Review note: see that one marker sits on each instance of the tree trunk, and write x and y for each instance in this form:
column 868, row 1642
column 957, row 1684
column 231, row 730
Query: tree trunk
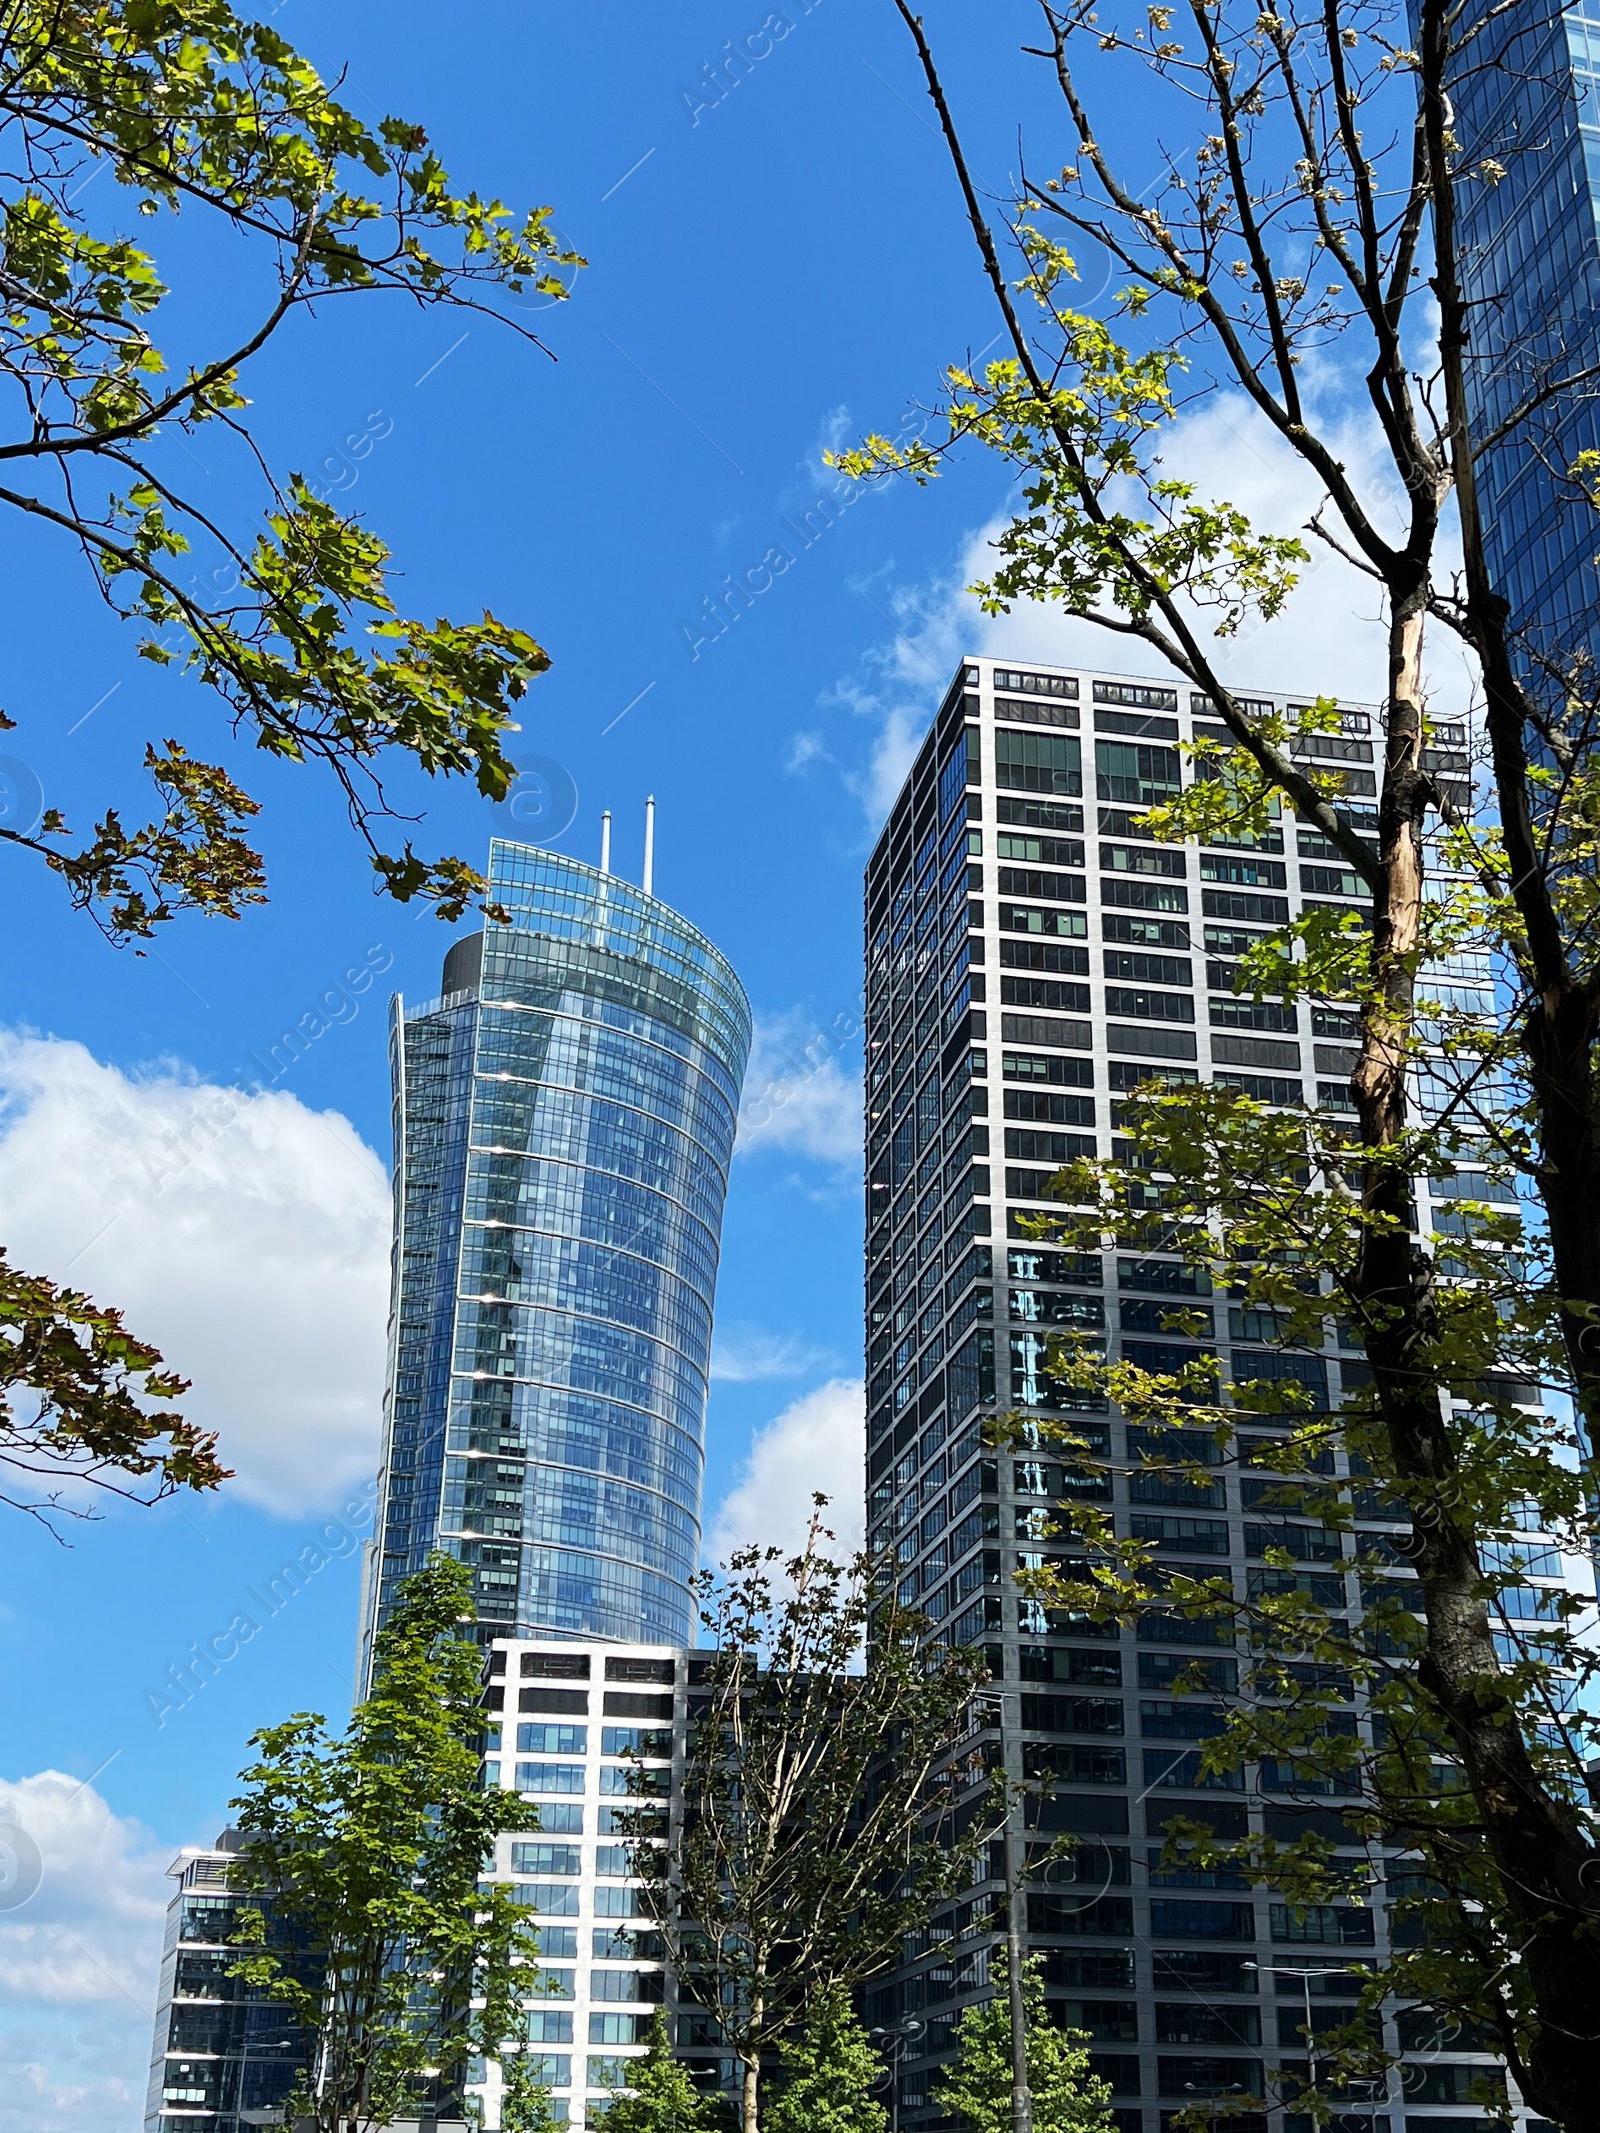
column 750, row 2095
column 1558, row 1031
column 1533, row 1839
column 1558, row 1037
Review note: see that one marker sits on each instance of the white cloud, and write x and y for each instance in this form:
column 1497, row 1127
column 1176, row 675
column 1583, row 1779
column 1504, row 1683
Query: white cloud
column 835, row 432
column 1329, row 638
column 799, row 1092
column 1331, row 633
column 817, row 1445
column 931, row 626
column 79, row 1963
column 744, row 1355
column 804, row 749
column 245, row 1235
column 893, row 753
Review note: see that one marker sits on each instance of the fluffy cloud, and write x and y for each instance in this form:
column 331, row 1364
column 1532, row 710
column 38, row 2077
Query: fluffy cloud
column 245, row 1235
column 802, row 1093
column 79, row 1961
column 1329, row 637
column 818, row 1445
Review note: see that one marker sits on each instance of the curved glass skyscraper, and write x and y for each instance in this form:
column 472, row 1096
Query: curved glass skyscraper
column 564, row 1120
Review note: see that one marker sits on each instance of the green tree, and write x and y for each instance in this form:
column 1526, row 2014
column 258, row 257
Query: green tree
column 1067, row 2098
column 525, row 2105
column 1309, row 212
column 660, row 2097
column 812, row 1834
column 827, row 2073
column 386, row 1947
column 282, row 609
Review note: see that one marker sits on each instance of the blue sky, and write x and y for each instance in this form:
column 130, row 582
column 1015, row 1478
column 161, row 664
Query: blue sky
column 771, row 273
column 737, row 316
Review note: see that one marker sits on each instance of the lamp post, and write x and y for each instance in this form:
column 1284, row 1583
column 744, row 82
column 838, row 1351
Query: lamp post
column 1305, row 1977
column 1214, row 2101
column 898, row 2041
column 272, row 2114
column 1021, row 2088
column 1014, row 1865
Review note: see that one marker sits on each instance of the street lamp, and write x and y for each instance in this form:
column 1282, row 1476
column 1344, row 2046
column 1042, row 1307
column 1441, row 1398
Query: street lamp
column 271, row 2114
column 898, row 2040
column 1214, row 2100
column 1305, row 1977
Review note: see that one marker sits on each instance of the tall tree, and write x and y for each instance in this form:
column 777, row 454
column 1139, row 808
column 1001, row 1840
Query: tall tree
column 1283, row 115
column 1067, row 2098
column 293, row 202
column 1316, row 161
column 384, row 1945
column 809, row 1838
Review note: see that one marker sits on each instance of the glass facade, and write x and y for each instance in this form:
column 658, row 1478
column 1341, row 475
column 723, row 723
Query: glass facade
column 1032, row 956
column 564, row 1120
column 1526, row 98
column 226, row 2055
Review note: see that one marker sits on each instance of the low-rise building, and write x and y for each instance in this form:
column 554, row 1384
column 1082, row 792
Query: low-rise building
column 226, row 2056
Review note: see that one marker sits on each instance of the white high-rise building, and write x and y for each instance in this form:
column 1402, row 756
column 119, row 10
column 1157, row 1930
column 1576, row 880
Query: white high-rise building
column 594, row 1732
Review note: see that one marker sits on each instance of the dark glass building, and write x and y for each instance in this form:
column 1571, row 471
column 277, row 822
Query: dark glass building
column 1032, row 956
column 563, row 1124
column 226, row 2056
column 1526, row 98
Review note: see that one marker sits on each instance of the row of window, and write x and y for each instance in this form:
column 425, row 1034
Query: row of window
column 905, row 988
column 561, row 1051
column 536, row 1110
column 923, row 1512
column 564, row 1862
column 531, row 1341
column 565, row 936
column 1193, row 1918
column 560, row 1817
column 550, row 2025
column 603, row 1156
column 629, row 1741
column 520, row 1267
column 1166, row 861
column 561, row 1982
column 527, row 1192
column 553, row 2070
column 561, row 1899
column 579, row 1430
column 607, row 1944
column 1161, row 1313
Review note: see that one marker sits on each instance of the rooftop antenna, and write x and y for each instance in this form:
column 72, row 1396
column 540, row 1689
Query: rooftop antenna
column 605, row 842
column 649, row 843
